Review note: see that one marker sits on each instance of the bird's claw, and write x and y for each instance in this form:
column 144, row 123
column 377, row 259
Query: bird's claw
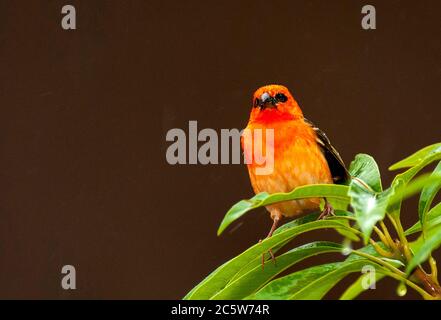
column 328, row 211
column 270, row 251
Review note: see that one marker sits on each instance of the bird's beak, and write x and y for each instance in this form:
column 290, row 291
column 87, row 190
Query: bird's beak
column 266, row 101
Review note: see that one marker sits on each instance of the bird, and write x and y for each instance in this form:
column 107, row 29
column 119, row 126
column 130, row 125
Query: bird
column 302, row 154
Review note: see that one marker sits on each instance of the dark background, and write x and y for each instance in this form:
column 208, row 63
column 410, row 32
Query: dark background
column 84, row 114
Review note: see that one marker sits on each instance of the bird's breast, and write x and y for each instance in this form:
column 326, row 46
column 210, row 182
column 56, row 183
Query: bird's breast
column 298, row 161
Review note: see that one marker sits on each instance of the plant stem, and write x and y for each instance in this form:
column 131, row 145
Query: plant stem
column 433, row 269
column 432, row 288
column 398, row 274
column 381, row 236
column 402, row 237
column 390, row 241
column 380, row 261
column 414, row 286
column 430, row 282
column 391, row 219
column 380, row 250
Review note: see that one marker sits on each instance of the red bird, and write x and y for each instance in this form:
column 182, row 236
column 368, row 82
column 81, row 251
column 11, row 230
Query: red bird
column 302, row 153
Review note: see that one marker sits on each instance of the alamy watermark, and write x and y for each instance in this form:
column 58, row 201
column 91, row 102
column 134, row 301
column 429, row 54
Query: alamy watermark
column 369, row 20
column 207, row 146
column 69, row 280
column 368, row 280
column 69, row 20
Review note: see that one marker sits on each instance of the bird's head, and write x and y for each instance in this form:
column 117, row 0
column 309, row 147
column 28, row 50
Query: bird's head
column 273, row 103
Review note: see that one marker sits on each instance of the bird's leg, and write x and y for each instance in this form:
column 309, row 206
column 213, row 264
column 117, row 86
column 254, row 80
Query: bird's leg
column 276, row 218
column 328, row 211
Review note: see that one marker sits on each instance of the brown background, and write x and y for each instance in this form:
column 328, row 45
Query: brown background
column 83, row 175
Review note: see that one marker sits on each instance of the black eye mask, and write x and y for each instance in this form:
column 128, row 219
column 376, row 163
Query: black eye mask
column 280, row 97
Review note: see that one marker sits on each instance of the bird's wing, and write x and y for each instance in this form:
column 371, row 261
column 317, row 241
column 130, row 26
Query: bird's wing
column 338, row 169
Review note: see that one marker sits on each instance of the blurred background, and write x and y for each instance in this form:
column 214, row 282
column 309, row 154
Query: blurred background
column 84, row 113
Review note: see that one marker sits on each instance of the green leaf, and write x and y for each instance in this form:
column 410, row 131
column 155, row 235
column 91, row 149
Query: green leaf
column 404, row 189
column 433, row 218
column 414, row 187
column 283, row 288
column 221, row 276
column 369, row 202
column 366, row 169
column 369, row 207
column 258, row 260
column 264, row 199
column 312, row 283
column 299, row 221
column 319, row 287
column 357, row 287
column 315, row 282
column 428, row 243
column 256, row 278
column 418, row 157
column 428, row 194
column 344, row 232
column 417, row 162
column 337, row 203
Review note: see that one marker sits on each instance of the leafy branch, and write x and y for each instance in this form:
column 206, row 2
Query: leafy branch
column 367, row 216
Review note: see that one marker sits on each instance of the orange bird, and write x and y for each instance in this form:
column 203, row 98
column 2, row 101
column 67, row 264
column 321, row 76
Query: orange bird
column 302, row 153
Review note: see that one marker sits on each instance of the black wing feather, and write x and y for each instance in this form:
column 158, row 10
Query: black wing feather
column 338, row 169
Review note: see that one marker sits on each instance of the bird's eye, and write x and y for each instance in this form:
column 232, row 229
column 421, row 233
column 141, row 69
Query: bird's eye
column 256, row 102
column 280, row 97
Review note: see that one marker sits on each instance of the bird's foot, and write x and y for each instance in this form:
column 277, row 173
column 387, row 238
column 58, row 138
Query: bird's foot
column 328, row 211
column 276, row 218
column 270, row 251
